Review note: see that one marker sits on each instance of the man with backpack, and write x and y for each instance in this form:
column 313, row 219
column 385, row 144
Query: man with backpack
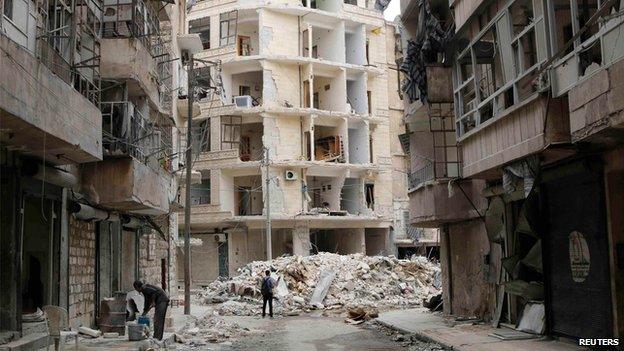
column 268, row 284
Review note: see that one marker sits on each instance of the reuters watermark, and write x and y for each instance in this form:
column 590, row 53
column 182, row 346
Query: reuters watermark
column 599, row 342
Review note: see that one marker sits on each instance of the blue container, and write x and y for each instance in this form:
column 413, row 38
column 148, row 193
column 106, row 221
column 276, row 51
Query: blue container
column 144, row 320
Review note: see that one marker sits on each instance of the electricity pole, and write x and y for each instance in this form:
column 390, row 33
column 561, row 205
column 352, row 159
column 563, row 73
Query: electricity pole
column 269, row 249
column 187, row 200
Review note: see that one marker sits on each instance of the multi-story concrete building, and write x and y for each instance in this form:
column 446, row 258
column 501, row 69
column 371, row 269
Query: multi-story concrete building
column 302, row 127
column 87, row 144
column 527, row 212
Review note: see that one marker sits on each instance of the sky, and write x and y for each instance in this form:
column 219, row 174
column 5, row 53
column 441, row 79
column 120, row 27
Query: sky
column 392, row 10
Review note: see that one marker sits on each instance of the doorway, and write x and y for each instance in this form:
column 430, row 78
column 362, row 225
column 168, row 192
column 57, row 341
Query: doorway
column 40, row 253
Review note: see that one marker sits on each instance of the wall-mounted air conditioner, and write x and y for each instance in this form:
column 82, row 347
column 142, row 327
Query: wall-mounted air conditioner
column 242, row 101
column 290, row 175
column 220, row 238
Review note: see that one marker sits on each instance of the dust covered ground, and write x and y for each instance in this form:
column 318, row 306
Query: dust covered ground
column 310, row 331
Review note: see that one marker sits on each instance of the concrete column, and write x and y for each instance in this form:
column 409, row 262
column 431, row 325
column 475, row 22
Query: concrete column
column 301, row 240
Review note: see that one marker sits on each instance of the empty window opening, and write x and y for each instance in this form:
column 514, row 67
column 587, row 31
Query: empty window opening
column 369, row 191
column 248, row 196
column 202, row 27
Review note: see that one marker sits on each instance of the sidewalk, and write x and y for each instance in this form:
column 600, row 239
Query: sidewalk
column 464, row 337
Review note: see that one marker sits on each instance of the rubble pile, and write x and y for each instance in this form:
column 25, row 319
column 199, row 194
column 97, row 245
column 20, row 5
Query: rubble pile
column 327, row 281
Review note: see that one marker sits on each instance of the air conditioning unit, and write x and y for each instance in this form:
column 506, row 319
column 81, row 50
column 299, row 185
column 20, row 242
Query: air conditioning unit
column 290, row 175
column 242, row 101
column 220, row 238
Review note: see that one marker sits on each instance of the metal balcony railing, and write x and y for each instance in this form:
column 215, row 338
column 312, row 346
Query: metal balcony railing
column 433, row 170
column 126, row 132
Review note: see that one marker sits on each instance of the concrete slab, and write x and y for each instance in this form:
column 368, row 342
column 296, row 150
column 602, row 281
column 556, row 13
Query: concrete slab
column 434, row 328
column 30, row 342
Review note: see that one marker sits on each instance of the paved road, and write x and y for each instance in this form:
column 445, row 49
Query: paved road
column 303, row 333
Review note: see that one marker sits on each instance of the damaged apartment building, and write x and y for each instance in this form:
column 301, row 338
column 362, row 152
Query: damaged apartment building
column 87, row 156
column 300, row 128
column 516, row 132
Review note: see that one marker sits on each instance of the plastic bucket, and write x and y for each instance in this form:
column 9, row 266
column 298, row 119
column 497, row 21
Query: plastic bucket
column 137, row 332
column 144, row 320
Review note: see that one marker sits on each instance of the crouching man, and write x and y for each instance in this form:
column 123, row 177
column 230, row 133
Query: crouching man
column 154, row 297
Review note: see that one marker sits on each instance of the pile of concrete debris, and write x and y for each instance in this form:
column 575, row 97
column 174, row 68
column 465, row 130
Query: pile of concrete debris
column 327, row 281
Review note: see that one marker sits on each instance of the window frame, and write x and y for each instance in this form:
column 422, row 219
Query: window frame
column 230, row 20
column 479, row 103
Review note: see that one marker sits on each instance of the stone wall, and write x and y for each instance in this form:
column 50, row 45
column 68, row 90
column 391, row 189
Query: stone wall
column 81, row 272
column 152, row 250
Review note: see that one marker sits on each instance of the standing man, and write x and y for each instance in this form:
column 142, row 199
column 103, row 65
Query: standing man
column 154, row 296
column 268, row 284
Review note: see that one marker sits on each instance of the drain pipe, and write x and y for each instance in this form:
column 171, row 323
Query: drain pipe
column 50, row 175
column 88, row 213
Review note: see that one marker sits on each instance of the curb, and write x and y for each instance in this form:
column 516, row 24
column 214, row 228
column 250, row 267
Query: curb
column 419, row 335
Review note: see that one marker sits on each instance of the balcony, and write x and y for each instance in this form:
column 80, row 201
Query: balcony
column 597, row 106
column 431, row 206
column 433, row 171
column 133, row 50
column 126, row 132
column 126, row 184
column 45, row 105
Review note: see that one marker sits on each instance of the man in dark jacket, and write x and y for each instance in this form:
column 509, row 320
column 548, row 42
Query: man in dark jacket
column 268, row 284
column 154, row 296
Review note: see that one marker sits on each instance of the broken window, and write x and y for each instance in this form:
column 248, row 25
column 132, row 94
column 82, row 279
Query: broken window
column 369, row 191
column 498, row 68
column 202, row 27
column 228, row 28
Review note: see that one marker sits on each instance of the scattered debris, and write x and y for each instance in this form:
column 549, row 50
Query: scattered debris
column 359, row 315
column 209, row 329
column 89, row 332
column 327, row 281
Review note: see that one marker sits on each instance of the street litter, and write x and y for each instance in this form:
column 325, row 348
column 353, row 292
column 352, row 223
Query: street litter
column 327, row 281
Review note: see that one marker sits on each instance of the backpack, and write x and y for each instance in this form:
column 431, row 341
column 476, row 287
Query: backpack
column 267, row 286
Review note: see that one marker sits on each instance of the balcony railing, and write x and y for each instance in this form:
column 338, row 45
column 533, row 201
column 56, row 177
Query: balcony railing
column 434, row 170
column 126, row 132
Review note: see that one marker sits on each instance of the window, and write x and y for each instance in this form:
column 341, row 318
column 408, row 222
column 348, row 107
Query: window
column 202, row 27
column 227, row 27
column 8, row 9
column 497, row 69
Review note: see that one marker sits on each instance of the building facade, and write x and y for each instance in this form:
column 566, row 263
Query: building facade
column 87, row 154
column 535, row 130
column 300, row 124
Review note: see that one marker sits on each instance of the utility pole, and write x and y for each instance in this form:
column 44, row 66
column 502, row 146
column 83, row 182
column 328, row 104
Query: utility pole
column 187, row 200
column 269, row 249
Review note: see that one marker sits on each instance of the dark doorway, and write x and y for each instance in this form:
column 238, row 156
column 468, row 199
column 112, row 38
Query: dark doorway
column 40, row 253
column 163, row 273
column 223, row 258
column 578, row 293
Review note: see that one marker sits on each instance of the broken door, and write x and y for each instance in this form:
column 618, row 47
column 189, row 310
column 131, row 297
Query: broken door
column 577, row 257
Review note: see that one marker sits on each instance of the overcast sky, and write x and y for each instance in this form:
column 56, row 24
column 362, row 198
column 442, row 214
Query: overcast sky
column 392, row 10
